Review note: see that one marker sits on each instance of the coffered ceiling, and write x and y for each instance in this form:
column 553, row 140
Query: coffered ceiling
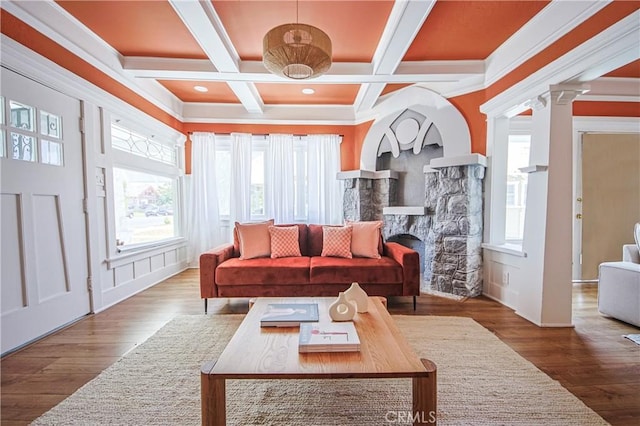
column 164, row 48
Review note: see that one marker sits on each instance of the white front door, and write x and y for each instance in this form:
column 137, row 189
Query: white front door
column 44, row 248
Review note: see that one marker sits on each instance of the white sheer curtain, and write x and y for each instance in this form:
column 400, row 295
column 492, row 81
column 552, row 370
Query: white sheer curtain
column 203, row 229
column 279, row 185
column 325, row 190
column 240, row 208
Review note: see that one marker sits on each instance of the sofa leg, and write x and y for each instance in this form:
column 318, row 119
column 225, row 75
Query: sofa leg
column 205, row 306
column 414, row 303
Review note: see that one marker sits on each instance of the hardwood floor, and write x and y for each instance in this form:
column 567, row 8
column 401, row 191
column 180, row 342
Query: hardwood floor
column 592, row 360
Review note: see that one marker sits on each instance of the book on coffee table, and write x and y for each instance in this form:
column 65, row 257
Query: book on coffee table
column 332, row 337
column 289, row 314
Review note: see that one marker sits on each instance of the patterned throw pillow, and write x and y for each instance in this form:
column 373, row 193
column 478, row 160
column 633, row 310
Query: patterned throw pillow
column 365, row 238
column 336, row 241
column 284, row 241
column 254, row 239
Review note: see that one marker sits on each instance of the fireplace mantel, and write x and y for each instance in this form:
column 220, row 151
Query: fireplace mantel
column 405, row 210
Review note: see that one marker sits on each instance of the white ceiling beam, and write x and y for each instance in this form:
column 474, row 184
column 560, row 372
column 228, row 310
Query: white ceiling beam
column 404, row 22
column 340, row 73
column 554, row 21
column 203, row 22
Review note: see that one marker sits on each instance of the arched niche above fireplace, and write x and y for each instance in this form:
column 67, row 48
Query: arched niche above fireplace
column 411, row 119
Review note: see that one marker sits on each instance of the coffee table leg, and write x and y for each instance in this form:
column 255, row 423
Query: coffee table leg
column 425, row 396
column 213, row 397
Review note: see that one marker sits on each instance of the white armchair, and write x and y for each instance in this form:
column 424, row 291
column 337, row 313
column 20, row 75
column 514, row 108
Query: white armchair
column 619, row 286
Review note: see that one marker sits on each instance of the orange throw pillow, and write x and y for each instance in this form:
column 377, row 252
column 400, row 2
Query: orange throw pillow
column 336, row 241
column 365, row 238
column 284, row 241
column 254, row 239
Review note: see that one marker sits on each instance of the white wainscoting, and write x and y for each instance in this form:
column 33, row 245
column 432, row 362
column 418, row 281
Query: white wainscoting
column 128, row 274
column 501, row 272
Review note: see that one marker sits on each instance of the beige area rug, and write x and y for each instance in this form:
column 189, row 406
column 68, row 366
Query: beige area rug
column 481, row 381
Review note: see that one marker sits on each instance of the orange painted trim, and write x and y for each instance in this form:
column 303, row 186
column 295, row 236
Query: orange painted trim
column 346, row 147
column 606, row 109
column 17, row 30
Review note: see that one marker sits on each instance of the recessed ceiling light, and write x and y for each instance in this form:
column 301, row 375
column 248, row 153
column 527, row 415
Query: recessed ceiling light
column 200, row 89
column 308, row 91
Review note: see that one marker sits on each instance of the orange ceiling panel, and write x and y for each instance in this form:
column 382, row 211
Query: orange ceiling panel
column 631, row 70
column 218, row 92
column 137, row 28
column 355, row 27
column 291, row 94
column 392, row 87
column 459, row 30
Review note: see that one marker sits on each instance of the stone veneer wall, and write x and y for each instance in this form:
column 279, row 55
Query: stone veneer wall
column 364, row 198
column 453, row 258
column 451, row 228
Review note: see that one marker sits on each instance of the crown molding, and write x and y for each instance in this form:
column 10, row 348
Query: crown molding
column 196, row 112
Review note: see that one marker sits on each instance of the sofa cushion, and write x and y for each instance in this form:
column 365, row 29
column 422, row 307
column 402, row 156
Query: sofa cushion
column 284, row 241
column 365, row 239
column 336, row 241
column 281, row 271
column 314, row 240
column 302, row 236
column 252, row 239
column 361, row 269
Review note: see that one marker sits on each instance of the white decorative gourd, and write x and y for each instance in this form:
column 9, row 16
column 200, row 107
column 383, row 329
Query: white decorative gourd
column 356, row 294
column 342, row 309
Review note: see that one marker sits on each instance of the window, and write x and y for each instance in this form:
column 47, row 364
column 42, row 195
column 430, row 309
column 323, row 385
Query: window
column 259, row 147
column 33, row 135
column 223, row 178
column 517, row 157
column 257, row 183
column 145, row 189
column 300, row 181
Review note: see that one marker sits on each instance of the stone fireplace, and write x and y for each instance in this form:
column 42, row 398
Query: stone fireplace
column 427, row 199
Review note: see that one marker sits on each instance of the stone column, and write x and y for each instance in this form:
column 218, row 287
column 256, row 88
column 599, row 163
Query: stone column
column 453, row 248
column 366, row 193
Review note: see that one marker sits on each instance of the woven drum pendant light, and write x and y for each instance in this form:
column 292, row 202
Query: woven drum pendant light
column 296, row 51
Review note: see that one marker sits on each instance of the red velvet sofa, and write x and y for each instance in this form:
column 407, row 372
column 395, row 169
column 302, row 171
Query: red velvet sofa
column 223, row 274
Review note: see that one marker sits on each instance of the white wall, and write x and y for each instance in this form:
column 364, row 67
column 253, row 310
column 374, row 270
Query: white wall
column 114, row 276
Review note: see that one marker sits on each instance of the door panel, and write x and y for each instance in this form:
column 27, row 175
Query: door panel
column 44, row 247
column 611, row 197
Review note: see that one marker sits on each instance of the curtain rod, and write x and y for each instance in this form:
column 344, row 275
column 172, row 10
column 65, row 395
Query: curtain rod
column 267, row 134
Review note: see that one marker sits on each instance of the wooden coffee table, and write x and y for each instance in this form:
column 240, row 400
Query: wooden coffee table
column 384, row 353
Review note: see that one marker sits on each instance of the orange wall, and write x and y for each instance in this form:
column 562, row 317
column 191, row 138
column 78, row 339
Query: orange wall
column 469, row 106
column 606, row 109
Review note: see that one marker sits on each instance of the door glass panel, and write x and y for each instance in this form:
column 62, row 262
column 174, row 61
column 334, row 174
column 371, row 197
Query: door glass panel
column 50, row 125
column 2, row 145
column 1, row 110
column 51, row 153
column 23, row 147
column 22, row 116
